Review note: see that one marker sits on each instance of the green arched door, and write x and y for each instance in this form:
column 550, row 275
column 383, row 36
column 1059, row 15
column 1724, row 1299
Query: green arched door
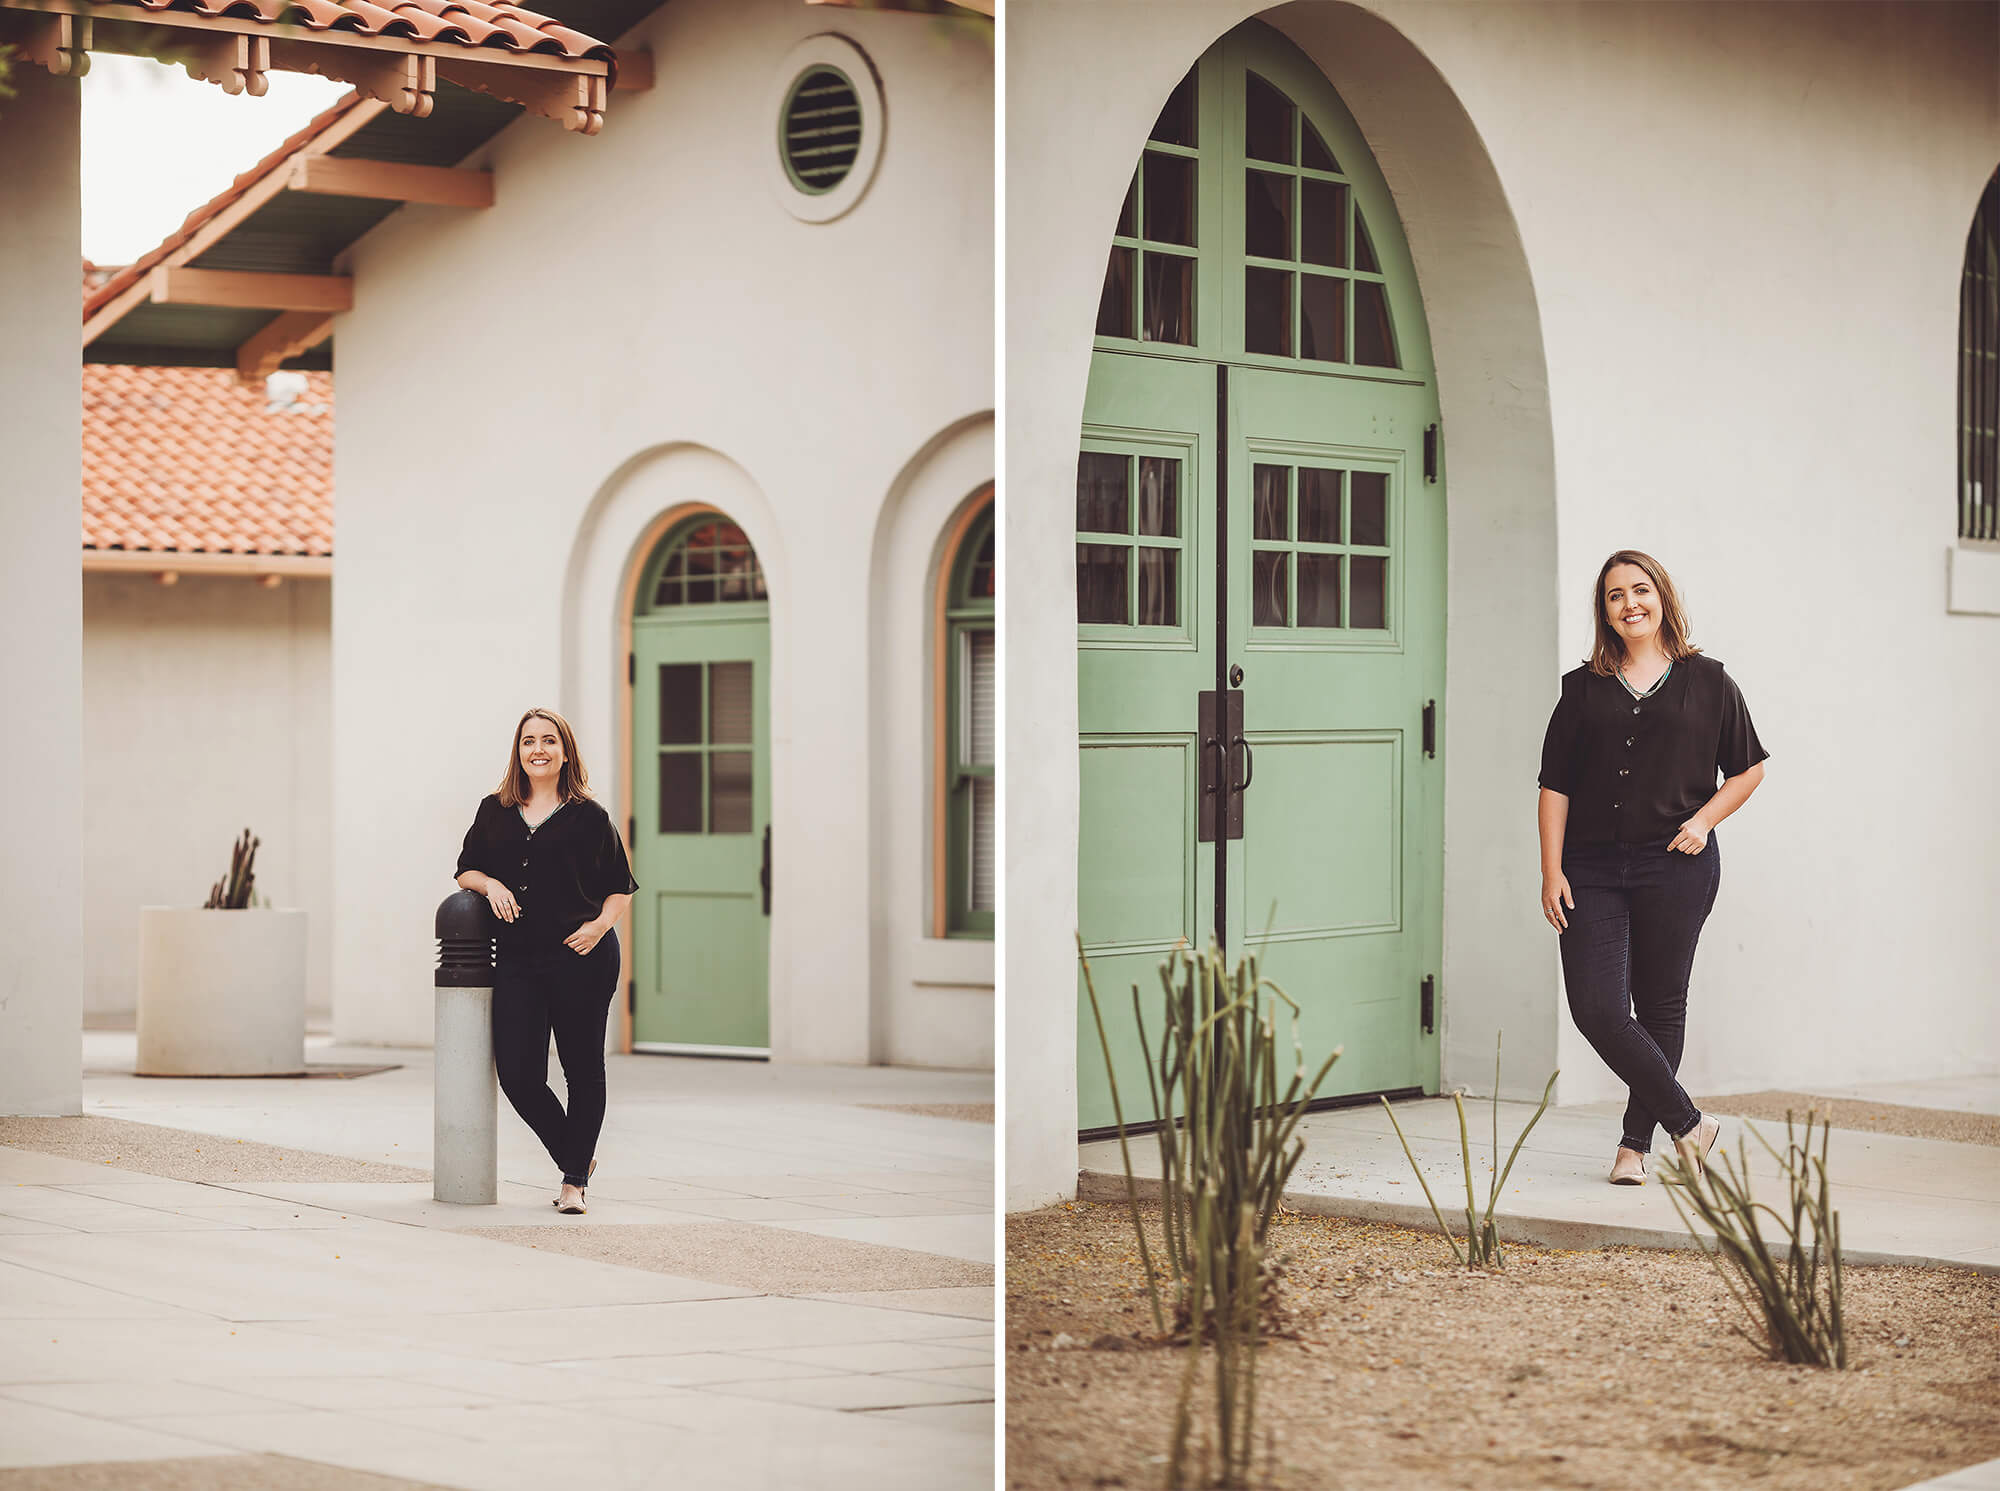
column 1260, row 579
column 701, row 788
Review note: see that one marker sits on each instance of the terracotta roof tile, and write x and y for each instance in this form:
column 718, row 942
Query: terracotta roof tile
column 188, row 460
column 508, row 27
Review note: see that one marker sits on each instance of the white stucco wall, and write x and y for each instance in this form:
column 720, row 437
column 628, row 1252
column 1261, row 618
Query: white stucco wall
column 636, row 309
column 1729, row 237
column 41, row 976
column 206, row 710
column 934, row 1001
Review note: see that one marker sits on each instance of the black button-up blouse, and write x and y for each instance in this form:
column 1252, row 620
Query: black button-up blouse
column 1634, row 770
column 560, row 871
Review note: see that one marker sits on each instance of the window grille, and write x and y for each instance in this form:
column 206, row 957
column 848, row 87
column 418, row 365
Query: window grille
column 1979, row 373
column 970, row 747
column 709, row 562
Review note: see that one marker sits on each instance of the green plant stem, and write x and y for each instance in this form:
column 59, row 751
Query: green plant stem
column 1124, row 1149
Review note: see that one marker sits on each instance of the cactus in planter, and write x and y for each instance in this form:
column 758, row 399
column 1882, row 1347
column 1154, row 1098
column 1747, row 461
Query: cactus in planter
column 233, row 891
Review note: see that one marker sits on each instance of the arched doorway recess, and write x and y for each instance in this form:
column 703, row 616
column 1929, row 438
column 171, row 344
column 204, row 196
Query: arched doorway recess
column 1260, row 555
column 701, row 792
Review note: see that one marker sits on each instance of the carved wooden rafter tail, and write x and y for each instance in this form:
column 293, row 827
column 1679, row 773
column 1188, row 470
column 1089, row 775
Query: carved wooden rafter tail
column 59, row 44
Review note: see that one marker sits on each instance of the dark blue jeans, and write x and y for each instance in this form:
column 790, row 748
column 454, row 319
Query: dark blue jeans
column 1626, row 959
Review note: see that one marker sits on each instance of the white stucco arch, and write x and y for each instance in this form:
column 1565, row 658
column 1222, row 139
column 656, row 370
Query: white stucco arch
column 1070, row 156
column 932, row 996
column 633, row 509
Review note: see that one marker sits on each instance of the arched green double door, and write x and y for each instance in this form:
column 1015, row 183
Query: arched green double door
column 1260, row 555
column 701, row 793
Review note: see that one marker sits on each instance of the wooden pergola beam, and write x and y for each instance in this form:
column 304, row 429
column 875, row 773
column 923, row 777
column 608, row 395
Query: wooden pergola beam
column 175, row 284
column 635, row 72
column 287, row 336
column 346, row 176
column 230, row 217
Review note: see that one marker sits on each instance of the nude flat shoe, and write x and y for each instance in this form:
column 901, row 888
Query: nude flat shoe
column 1629, row 1169
column 574, row 1211
column 1694, row 1146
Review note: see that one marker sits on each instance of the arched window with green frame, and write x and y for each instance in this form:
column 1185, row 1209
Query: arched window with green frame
column 1979, row 373
column 967, row 740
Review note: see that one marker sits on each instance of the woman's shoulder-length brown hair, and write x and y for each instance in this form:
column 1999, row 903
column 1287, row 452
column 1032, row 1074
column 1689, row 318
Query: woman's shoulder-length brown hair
column 572, row 783
column 1607, row 648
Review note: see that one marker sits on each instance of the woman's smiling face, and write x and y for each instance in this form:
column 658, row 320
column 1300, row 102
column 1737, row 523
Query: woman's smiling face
column 1631, row 603
column 541, row 750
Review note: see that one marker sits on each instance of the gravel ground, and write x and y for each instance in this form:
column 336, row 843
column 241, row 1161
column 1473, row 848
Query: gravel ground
column 967, row 1112
column 749, row 1256
column 178, row 1154
column 1614, row 1370
column 205, row 1473
column 1856, row 1113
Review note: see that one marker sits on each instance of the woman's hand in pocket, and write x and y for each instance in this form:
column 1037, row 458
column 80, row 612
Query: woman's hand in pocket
column 1555, row 894
column 1693, row 837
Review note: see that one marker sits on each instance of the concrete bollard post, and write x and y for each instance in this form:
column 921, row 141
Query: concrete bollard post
column 465, row 1145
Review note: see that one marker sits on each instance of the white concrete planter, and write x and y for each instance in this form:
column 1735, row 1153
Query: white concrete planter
column 221, row 993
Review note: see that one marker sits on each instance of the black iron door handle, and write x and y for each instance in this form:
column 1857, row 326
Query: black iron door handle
column 1214, row 742
column 764, row 875
column 1249, row 763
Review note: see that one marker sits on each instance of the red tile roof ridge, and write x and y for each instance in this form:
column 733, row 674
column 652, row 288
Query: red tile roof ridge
column 521, row 28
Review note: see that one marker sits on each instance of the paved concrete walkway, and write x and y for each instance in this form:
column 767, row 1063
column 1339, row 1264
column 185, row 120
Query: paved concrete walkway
column 1900, row 1200
column 358, row 1325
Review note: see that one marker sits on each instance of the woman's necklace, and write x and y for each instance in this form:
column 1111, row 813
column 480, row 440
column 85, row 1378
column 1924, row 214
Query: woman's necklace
column 523, row 810
column 1654, row 689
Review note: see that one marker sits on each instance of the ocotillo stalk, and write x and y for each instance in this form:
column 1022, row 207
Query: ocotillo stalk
column 1124, row 1150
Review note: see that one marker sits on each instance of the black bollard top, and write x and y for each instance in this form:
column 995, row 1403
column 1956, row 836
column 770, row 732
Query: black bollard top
column 466, row 927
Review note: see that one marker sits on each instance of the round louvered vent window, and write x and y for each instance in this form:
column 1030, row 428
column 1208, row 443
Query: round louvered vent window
column 826, row 97
column 821, row 130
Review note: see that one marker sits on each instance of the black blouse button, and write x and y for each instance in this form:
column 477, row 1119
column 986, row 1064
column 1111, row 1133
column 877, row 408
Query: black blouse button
column 1628, row 740
column 1621, row 771
column 1615, row 805
column 1635, row 709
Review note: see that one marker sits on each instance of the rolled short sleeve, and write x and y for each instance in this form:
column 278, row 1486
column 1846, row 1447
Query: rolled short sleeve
column 473, row 854
column 611, row 871
column 1737, row 747
column 1559, row 744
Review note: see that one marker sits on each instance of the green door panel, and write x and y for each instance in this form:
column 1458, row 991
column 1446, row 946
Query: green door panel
column 702, row 805
column 1287, row 407
column 1142, row 884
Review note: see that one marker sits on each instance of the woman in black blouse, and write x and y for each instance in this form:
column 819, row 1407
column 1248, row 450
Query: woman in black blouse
column 1630, row 865
column 550, row 863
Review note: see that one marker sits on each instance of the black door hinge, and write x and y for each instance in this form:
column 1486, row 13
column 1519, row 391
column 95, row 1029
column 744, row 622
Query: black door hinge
column 632, row 667
column 764, row 875
column 631, row 831
column 1429, row 1010
column 1431, row 453
column 631, row 995
column 1430, row 727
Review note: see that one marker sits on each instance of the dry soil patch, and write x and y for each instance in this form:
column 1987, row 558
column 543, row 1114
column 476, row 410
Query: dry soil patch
column 964, row 1112
column 205, row 1473
column 1955, row 1125
column 770, row 1259
column 181, row 1154
column 1614, row 1370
